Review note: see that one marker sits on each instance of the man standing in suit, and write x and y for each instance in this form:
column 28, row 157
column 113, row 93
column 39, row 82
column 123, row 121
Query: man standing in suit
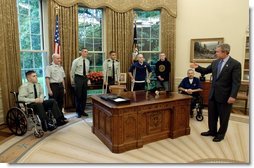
column 226, row 73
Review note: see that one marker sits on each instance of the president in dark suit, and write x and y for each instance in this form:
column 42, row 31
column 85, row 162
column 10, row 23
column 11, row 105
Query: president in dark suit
column 226, row 73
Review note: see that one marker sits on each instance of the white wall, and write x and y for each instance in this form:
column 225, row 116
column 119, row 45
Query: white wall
column 209, row 19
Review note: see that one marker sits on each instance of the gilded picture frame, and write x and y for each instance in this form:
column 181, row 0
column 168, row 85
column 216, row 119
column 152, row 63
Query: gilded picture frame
column 123, row 78
column 203, row 50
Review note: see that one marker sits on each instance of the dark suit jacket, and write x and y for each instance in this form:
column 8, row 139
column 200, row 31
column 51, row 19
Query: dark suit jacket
column 228, row 82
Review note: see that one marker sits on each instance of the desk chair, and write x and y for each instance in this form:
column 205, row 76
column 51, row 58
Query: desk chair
column 243, row 95
column 117, row 89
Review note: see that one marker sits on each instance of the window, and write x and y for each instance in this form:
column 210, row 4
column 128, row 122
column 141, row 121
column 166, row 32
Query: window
column 32, row 55
column 91, row 35
column 148, row 38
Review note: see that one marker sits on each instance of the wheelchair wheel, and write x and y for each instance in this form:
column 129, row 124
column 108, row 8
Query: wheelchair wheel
column 39, row 133
column 16, row 121
column 199, row 117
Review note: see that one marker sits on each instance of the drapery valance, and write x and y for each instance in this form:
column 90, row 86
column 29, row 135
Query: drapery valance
column 125, row 5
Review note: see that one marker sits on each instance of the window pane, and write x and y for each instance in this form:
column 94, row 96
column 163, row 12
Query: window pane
column 98, row 59
column 146, row 32
column 145, row 45
column 34, row 8
column 138, row 32
column 24, row 24
column 91, row 59
column 23, row 7
column 154, row 44
column 97, row 30
column 155, row 31
column 89, row 44
column 97, row 44
column 81, row 44
column 35, row 26
column 37, row 60
column 36, row 42
column 88, row 30
column 25, row 41
column 28, row 61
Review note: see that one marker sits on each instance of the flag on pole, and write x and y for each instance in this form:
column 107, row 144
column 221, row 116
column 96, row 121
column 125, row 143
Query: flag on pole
column 57, row 38
column 135, row 44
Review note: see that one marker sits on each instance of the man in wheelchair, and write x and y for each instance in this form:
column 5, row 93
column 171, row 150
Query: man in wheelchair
column 190, row 85
column 31, row 92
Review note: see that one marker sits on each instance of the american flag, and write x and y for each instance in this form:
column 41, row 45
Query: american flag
column 57, row 38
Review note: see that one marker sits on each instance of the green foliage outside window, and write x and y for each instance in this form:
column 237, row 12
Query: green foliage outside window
column 30, row 35
column 148, row 38
column 90, row 35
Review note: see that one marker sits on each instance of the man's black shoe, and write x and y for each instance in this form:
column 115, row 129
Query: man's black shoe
column 44, row 126
column 218, row 138
column 208, row 133
column 84, row 114
column 63, row 118
column 51, row 128
column 61, row 122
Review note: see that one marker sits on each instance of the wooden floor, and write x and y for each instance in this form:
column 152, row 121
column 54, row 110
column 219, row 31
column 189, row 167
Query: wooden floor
column 75, row 143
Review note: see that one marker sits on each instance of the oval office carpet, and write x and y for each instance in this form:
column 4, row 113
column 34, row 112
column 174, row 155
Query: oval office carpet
column 75, row 143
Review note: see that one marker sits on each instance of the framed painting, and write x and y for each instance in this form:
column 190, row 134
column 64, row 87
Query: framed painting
column 203, row 50
column 122, row 78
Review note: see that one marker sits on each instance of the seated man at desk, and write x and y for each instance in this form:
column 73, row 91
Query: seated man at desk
column 190, row 85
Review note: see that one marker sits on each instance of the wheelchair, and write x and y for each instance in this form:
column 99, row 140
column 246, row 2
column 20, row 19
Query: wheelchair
column 21, row 118
column 197, row 105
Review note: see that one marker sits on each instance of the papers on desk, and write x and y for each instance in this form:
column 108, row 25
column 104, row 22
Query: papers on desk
column 115, row 99
column 119, row 100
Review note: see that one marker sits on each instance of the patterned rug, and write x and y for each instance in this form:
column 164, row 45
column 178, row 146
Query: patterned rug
column 81, row 146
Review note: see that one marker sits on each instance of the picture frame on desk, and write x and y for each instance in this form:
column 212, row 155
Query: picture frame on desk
column 203, row 50
column 123, row 78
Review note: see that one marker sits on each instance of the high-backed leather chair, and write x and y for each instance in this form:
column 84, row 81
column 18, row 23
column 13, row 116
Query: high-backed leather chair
column 243, row 95
column 117, row 89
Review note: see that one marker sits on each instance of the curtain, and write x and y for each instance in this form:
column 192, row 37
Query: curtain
column 10, row 76
column 168, row 38
column 125, row 5
column 68, row 30
column 119, row 36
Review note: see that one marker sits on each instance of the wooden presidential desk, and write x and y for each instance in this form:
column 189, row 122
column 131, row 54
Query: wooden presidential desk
column 147, row 118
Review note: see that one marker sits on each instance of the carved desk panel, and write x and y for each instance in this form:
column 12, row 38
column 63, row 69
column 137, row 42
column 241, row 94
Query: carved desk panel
column 146, row 119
